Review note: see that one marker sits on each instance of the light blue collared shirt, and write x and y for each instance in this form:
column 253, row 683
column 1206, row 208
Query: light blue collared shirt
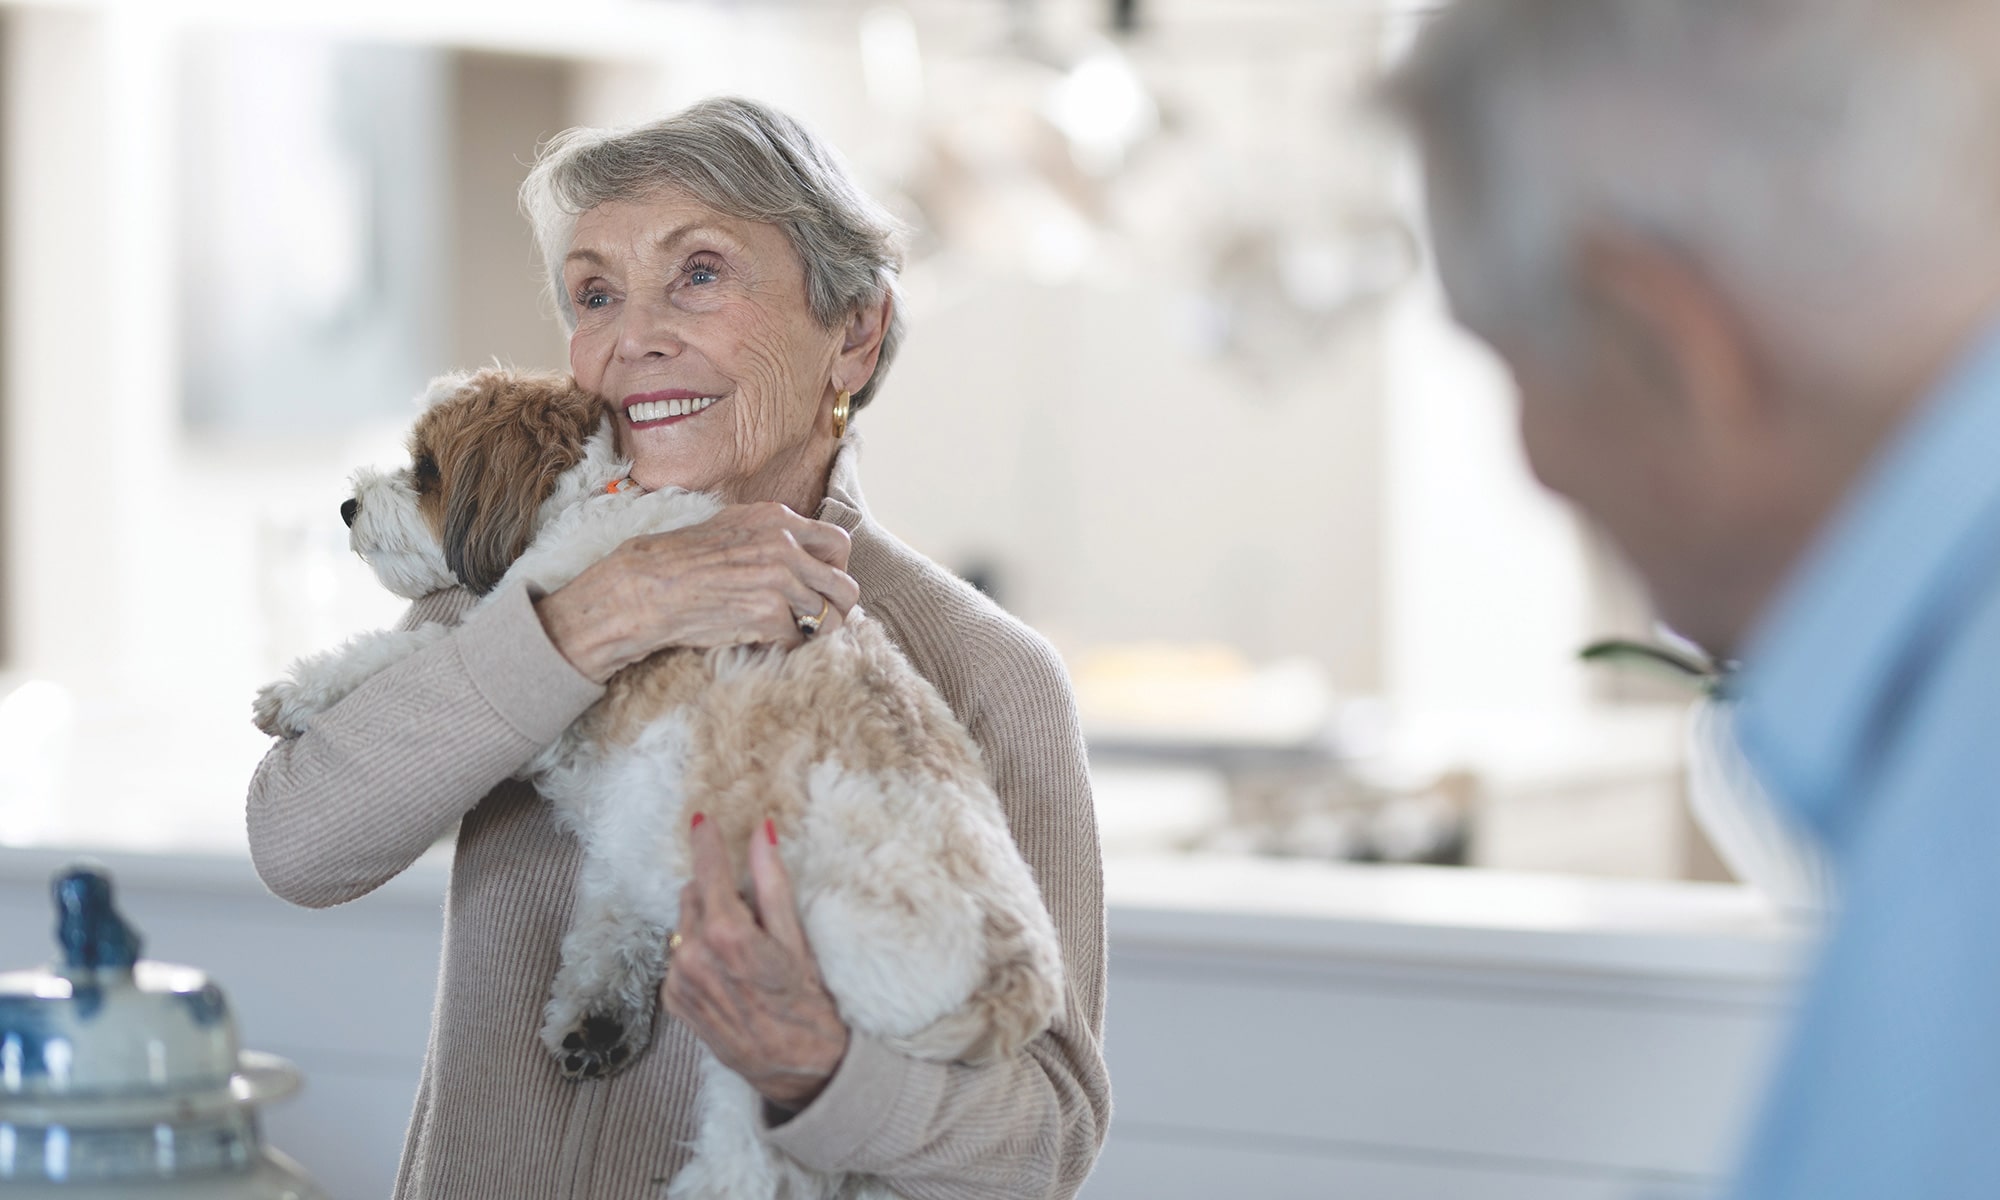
column 1870, row 706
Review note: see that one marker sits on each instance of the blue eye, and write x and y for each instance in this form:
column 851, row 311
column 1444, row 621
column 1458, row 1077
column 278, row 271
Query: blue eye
column 703, row 270
column 594, row 300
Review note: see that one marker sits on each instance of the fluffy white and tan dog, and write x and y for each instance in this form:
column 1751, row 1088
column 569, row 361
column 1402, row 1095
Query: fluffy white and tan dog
column 927, row 925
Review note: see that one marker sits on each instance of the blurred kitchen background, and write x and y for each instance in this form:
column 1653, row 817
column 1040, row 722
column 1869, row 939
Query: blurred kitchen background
column 1179, row 392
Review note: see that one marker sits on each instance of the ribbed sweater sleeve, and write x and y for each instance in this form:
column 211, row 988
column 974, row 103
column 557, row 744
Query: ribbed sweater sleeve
column 339, row 810
column 1030, row 1126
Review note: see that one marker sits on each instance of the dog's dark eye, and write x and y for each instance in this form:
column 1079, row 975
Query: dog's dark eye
column 427, row 471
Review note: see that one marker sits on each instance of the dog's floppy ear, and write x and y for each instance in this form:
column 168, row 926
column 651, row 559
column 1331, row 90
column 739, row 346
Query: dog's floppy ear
column 489, row 515
column 529, row 433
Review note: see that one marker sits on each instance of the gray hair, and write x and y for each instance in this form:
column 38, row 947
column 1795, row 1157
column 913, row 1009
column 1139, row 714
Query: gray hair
column 1812, row 155
column 745, row 160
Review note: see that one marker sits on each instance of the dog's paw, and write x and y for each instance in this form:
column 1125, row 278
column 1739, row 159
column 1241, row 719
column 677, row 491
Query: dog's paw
column 278, row 710
column 598, row 1045
column 601, row 1003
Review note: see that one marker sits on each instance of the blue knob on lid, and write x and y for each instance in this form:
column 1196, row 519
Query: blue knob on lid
column 92, row 934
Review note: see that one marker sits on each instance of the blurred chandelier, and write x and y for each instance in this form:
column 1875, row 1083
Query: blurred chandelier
column 1223, row 152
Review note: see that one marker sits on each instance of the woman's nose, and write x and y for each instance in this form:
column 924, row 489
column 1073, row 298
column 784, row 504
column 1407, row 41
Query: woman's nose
column 650, row 329
column 348, row 508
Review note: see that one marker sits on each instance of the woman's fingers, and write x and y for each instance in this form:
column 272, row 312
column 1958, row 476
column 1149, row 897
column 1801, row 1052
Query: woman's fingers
column 818, row 610
column 807, row 587
column 714, row 883
column 688, row 921
column 825, row 542
column 746, row 576
column 836, row 586
column 719, row 931
column 821, row 559
column 744, row 981
column 828, row 624
column 777, row 549
column 777, row 908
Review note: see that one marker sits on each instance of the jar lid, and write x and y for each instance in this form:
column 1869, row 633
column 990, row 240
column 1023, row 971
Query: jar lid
column 102, row 1036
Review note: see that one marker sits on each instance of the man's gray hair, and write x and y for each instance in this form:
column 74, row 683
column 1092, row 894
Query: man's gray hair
column 1816, row 157
column 745, row 160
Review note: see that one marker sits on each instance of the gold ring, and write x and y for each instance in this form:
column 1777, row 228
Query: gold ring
column 810, row 625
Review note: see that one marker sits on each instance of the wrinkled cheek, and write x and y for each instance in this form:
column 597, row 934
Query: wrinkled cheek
column 778, row 380
column 587, row 358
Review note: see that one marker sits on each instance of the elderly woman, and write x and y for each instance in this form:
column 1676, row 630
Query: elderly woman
column 731, row 296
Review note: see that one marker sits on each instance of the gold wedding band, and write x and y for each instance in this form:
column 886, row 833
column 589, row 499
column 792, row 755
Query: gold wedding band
column 810, row 625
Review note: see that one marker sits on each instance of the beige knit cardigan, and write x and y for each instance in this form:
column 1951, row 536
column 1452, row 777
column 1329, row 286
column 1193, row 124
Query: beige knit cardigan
column 430, row 744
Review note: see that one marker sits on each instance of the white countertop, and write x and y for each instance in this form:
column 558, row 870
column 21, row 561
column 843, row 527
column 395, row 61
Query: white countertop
column 1416, row 914
column 1396, row 914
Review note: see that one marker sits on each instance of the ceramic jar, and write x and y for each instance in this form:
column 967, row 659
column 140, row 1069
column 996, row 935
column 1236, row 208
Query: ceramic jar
column 123, row 1078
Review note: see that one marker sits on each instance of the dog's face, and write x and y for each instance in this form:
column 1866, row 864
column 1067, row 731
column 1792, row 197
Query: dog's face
column 489, row 454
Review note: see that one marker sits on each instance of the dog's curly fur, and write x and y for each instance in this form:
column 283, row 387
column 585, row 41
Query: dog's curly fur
column 927, row 925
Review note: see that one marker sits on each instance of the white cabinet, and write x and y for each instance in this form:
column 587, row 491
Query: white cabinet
column 1284, row 1029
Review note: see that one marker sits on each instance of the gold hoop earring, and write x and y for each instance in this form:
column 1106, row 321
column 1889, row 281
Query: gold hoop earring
column 841, row 408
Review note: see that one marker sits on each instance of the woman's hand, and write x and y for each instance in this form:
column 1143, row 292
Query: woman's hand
column 744, row 980
column 743, row 577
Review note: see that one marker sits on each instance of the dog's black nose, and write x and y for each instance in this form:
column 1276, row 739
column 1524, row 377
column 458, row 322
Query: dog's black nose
column 348, row 508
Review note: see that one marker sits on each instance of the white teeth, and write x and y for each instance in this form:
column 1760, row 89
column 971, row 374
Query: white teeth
column 660, row 410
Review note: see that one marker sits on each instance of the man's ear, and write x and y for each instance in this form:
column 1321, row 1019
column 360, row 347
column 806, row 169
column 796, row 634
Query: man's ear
column 1677, row 336
column 861, row 344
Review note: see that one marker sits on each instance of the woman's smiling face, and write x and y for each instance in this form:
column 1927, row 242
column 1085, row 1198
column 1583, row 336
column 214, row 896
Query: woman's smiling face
column 694, row 328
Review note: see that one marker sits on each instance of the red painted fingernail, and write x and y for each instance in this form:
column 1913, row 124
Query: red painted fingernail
column 698, row 819
column 771, row 831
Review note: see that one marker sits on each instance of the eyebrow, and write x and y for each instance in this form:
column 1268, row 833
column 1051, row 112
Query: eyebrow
column 666, row 242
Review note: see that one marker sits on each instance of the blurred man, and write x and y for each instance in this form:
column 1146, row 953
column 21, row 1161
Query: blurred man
column 1743, row 257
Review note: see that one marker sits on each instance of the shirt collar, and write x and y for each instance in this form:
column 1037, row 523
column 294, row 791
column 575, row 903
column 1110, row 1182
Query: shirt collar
column 1910, row 542
column 843, row 505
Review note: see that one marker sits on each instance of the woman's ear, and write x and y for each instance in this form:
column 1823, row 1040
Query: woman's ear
column 861, row 344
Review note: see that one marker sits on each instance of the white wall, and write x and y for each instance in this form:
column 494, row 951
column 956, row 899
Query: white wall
column 1362, row 504
column 1489, row 594
column 88, row 354
column 1131, row 488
